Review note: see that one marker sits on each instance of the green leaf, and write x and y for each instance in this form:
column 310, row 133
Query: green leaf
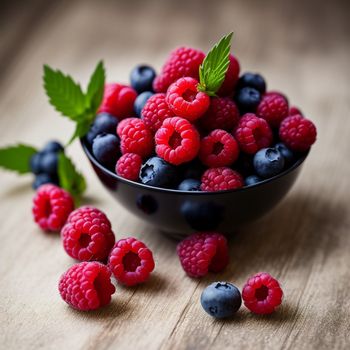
column 95, row 88
column 70, row 179
column 17, row 158
column 214, row 67
column 64, row 94
column 81, row 128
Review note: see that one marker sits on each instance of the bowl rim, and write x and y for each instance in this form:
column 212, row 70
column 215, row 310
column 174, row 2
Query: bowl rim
column 85, row 147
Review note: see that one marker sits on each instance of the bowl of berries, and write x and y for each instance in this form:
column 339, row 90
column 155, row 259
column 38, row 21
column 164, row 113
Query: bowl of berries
column 198, row 146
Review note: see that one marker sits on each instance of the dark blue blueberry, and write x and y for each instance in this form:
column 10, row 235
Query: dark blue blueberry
column 141, row 78
column 104, row 123
column 189, row 185
column 252, row 80
column 53, row 146
column 35, row 163
column 193, row 170
column 268, row 162
column 49, row 161
column 42, row 179
column 158, row 173
column 141, row 101
column 248, row 99
column 221, row 299
column 105, row 148
column 252, row 180
column 288, row 155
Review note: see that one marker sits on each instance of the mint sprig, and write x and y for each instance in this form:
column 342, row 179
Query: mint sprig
column 214, row 67
column 68, row 98
column 17, row 158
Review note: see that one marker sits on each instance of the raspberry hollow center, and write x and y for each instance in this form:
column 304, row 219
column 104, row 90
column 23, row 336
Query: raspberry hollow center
column 47, row 209
column 261, row 293
column 84, row 240
column 217, row 148
column 175, row 140
column 131, row 262
column 189, row 95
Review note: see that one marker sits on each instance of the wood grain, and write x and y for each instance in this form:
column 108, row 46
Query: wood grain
column 303, row 50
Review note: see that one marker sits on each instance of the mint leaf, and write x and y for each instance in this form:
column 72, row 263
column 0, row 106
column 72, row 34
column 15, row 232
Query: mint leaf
column 95, row 88
column 70, row 179
column 17, row 158
column 64, row 94
column 82, row 127
column 214, row 67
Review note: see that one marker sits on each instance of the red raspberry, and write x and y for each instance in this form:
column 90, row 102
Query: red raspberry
column 218, row 149
column 231, row 78
column 128, row 166
column 183, row 62
column 130, row 261
column 253, row 133
column 155, row 111
column 262, row 293
column 298, row 133
column 86, row 286
column 185, row 100
column 87, row 235
column 51, row 207
column 177, row 141
column 118, row 100
column 294, row 110
column 136, row 138
column 122, row 123
column 220, row 179
column 222, row 114
column 203, row 252
column 273, row 107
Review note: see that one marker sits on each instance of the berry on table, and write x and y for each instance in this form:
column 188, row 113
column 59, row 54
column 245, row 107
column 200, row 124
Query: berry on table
column 220, row 179
column 268, row 162
column 131, row 261
column 41, row 179
column 141, row 78
column 221, row 299
column 103, row 123
column 105, row 148
column 262, row 293
column 185, row 100
column 87, row 235
column 252, row 180
column 203, row 252
column 86, row 286
column 253, row 80
column 287, row 154
column 189, row 185
column 53, row 146
column 273, row 107
column 155, row 111
column 247, row 99
column 141, row 101
column 51, row 207
column 128, row 166
column 49, row 163
column 182, row 62
column 298, row 133
column 177, row 141
column 231, row 77
column 218, row 149
column 35, row 163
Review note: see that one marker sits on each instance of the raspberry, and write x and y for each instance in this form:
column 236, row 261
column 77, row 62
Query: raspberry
column 203, row 252
column 220, row 179
column 123, row 123
column 136, row 138
column 51, row 207
column 87, row 235
column 118, row 100
column 130, row 261
column 262, row 293
column 252, row 133
column 273, row 107
column 182, row 62
column 222, row 114
column 185, row 100
column 128, row 166
column 231, row 77
column 298, row 133
column 86, row 286
column 218, row 149
column 294, row 110
column 155, row 111
column 177, row 141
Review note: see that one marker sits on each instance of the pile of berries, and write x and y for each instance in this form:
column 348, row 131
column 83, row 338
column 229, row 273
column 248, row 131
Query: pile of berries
column 163, row 127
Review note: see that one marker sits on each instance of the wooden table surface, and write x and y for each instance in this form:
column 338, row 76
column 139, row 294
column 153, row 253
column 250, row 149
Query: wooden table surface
column 302, row 50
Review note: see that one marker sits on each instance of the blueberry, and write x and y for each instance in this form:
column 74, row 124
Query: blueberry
column 221, row 299
column 49, row 162
column 193, row 170
column 158, row 173
column 35, row 163
column 252, row 180
column 268, row 162
column 53, row 146
column 42, row 179
column 252, row 80
column 141, row 78
column 141, row 101
column 288, row 155
column 105, row 148
column 248, row 99
column 104, row 123
column 244, row 164
column 189, row 185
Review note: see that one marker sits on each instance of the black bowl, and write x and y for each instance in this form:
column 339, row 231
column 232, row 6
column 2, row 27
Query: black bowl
column 179, row 213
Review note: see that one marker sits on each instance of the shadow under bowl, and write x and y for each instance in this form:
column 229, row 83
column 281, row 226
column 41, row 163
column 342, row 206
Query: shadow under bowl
column 180, row 213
